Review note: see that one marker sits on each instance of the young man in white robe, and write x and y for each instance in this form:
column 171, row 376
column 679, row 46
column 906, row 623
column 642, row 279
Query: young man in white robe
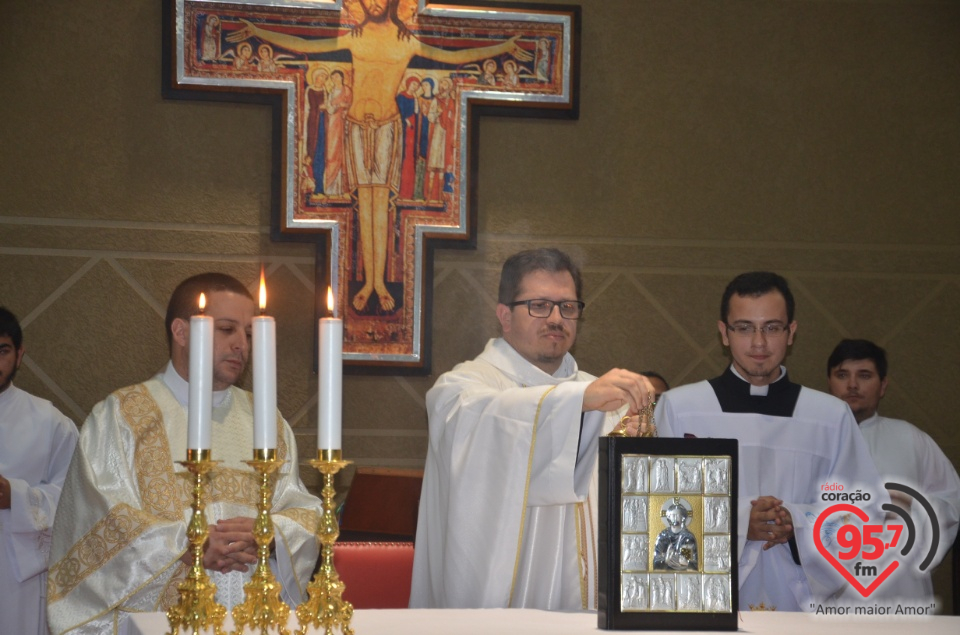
column 36, row 443
column 119, row 543
column 508, row 508
column 792, row 442
column 904, row 454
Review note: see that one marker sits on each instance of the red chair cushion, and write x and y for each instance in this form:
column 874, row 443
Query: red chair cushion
column 376, row 574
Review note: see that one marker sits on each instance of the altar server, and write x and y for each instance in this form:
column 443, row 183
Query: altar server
column 904, row 454
column 792, row 442
column 36, row 443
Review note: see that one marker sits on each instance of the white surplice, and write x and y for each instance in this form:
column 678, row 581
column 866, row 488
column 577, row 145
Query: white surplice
column 36, row 443
column 508, row 509
column 792, row 442
column 905, row 454
column 122, row 524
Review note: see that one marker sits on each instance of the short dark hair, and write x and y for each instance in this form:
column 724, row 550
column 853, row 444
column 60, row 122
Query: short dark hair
column 522, row 263
column 754, row 284
column 183, row 301
column 857, row 350
column 10, row 326
column 652, row 374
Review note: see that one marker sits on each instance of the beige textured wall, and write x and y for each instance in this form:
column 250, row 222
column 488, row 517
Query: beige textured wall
column 818, row 138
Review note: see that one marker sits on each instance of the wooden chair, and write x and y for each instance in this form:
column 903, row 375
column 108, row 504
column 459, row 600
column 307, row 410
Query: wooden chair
column 381, row 505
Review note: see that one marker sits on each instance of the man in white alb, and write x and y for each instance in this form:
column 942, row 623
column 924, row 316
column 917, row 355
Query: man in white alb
column 36, row 443
column 792, row 441
column 119, row 541
column 507, row 517
column 904, row 454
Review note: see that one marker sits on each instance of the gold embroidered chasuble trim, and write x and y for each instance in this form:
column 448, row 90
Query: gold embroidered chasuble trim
column 164, row 494
column 105, row 540
column 592, row 543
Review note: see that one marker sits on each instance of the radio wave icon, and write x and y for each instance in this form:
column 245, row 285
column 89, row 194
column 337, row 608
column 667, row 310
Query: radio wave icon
column 908, row 522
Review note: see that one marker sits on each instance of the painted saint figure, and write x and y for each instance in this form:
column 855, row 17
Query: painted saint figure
column 488, row 77
column 409, row 106
column 425, row 105
column 316, row 134
column 265, row 60
column 210, row 40
column 439, row 151
column 543, row 60
column 511, row 74
column 338, row 101
column 243, row 58
column 381, row 47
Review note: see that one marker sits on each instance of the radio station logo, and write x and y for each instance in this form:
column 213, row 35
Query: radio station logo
column 862, row 546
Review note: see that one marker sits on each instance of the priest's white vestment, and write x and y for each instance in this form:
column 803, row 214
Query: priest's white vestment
column 36, row 443
column 906, row 455
column 122, row 524
column 792, row 442
column 508, row 509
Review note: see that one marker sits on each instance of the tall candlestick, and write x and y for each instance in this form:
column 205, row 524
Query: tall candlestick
column 264, row 376
column 201, row 380
column 330, row 378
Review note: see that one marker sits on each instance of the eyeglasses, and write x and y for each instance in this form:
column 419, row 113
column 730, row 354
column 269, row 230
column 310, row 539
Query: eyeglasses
column 773, row 329
column 569, row 309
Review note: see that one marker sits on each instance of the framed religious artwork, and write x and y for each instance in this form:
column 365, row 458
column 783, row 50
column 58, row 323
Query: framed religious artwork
column 667, row 534
column 376, row 138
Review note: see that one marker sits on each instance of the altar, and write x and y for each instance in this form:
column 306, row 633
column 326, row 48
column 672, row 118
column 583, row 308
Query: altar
column 536, row 622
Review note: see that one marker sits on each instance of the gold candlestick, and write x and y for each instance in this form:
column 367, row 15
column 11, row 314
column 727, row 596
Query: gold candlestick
column 262, row 607
column 197, row 607
column 325, row 606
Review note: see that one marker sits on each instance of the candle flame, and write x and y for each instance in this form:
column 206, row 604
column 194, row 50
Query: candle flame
column 330, row 299
column 263, row 291
column 203, row 302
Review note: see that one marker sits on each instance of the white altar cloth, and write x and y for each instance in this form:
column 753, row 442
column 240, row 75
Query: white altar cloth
column 536, row 622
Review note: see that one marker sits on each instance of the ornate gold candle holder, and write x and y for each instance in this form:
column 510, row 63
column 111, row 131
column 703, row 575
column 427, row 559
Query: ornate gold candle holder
column 197, row 608
column 326, row 607
column 262, row 607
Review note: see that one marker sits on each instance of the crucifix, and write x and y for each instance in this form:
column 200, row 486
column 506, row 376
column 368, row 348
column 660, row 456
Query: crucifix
column 376, row 105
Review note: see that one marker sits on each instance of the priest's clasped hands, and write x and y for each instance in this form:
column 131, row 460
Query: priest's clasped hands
column 618, row 388
column 230, row 546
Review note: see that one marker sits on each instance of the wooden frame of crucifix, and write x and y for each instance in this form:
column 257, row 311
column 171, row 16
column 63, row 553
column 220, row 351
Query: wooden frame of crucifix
column 375, row 149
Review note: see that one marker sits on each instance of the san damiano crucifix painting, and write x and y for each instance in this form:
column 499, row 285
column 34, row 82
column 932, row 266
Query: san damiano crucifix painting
column 377, row 141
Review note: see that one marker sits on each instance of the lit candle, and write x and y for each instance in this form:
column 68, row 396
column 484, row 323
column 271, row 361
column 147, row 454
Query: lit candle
column 201, row 380
column 330, row 378
column 264, row 376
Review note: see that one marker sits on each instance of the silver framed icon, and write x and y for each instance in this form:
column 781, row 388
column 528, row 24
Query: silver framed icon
column 667, row 534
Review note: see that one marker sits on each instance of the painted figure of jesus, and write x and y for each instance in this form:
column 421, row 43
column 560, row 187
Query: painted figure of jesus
column 381, row 47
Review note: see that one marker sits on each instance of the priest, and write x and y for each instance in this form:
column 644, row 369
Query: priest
column 36, row 443
column 508, row 508
column 119, row 541
column 792, row 442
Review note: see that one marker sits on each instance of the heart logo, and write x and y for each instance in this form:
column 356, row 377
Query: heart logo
column 864, row 591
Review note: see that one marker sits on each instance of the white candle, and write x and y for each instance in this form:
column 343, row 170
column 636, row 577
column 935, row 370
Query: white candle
column 201, row 380
column 330, row 378
column 264, row 377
